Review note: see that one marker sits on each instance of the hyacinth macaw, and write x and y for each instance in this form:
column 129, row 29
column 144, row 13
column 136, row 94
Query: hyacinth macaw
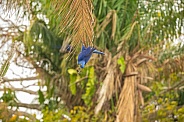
column 86, row 54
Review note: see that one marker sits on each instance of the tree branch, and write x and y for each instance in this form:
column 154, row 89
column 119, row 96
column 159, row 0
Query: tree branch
column 30, row 106
column 79, row 80
column 130, row 74
column 22, row 90
column 25, row 105
column 19, row 79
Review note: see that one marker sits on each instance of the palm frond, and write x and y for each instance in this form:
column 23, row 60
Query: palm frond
column 76, row 19
column 173, row 65
column 103, row 25
column 107, row 89
column 114, row 21
column 128, row 33
column 127, row 100
column 111, row 84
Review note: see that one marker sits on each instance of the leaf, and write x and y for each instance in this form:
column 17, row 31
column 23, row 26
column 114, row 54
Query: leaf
column 90, row 87
column 72, row 84
column 72, row 71
column 121, row 62
column 114, row 22
column 4, row 68
column 91, row 72
column 41, row 97
column 144, row 88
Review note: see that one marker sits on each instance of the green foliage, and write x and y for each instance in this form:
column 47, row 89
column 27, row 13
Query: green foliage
column 83, row 114
column 121, row 62
column 74, row 76
column 164, row 17
column 107, row 19
column 43, row 45
column 90, row 87
column 86, row 80
column 52, row 116
column 77, row 114
column 9, row 97
column 164, row 106
column 41, row 97
column 181, row 97
column 180, row 114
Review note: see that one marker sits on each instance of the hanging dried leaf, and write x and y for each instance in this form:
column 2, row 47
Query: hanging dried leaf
column 141, row 98
column 126, row 102
column 143, row 88
column 111, row 84
column 106, row 91
column 114, row 20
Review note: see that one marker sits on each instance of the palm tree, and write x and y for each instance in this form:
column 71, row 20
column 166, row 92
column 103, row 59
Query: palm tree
column 137, row 37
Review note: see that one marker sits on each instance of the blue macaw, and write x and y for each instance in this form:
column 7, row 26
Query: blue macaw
column 86, row 54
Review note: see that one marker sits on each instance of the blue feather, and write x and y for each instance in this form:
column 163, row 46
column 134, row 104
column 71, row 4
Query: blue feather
column 98, row 52
column 86, row 54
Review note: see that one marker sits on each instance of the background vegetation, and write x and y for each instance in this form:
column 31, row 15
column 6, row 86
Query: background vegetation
column 140, row 78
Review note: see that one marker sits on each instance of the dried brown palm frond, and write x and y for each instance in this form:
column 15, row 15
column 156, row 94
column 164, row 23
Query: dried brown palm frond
column 143, row 88
column 147, row 72
column 141, row 98
column 114, row 20
column 106, row 90
column 173, row 65
column 111, row 82
column 77, row 18
column 138, row 71
column 127, row 100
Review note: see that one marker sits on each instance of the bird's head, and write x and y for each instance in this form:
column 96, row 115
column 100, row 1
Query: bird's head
column 82, row 64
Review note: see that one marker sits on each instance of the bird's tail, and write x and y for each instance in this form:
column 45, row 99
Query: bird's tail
column 98, row 52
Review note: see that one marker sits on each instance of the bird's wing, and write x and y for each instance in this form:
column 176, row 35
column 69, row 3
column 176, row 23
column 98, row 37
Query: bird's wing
column 85, row 54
